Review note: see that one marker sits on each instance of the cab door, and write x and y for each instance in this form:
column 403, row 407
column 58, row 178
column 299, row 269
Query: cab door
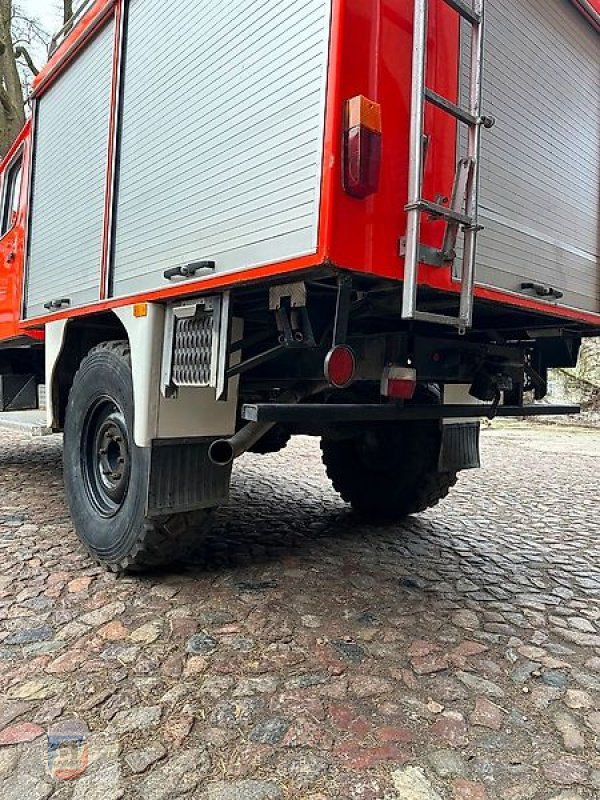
column 11, row 244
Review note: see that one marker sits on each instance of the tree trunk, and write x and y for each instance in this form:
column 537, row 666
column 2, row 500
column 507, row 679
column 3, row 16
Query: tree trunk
column 67, row 10
column 12, row 113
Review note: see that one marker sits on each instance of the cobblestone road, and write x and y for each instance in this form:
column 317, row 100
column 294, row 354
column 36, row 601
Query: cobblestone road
column 308, row 655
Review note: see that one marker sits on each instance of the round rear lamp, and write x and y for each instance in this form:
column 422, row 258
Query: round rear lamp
column 340, row 366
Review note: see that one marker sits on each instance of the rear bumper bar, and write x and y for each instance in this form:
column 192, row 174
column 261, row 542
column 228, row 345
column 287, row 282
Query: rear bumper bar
column 332, row 413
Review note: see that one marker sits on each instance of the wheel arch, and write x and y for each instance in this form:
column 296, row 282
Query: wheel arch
column 194, row 412
column 69, row 341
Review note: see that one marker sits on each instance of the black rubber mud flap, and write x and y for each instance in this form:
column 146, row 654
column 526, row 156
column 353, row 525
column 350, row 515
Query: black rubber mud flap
column 182, row 478
column 460, row 447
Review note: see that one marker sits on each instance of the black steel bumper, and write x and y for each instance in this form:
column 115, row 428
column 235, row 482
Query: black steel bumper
column 328, row 413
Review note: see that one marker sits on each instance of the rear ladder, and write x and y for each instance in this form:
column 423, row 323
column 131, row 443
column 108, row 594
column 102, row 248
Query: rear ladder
column 463, row 208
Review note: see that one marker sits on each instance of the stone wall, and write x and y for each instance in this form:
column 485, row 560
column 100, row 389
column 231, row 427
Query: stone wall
column 579, row 385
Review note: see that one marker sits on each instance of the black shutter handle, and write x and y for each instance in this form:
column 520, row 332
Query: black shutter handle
column 188, row 270
column 542, row 290
column 56, row 305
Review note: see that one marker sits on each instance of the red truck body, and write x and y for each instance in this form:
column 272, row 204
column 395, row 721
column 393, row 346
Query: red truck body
column 370, row 55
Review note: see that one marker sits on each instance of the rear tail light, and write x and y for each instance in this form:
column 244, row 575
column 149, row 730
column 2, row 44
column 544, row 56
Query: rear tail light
column 399, row 382
column 340, row 366
column 362, row 147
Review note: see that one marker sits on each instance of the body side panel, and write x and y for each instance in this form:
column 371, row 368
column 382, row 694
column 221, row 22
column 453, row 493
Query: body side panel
column 540, row 165
column 224, row 166
column 69, row 181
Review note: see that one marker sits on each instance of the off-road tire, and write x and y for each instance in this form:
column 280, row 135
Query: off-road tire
column 390, row 471
column 116, row 532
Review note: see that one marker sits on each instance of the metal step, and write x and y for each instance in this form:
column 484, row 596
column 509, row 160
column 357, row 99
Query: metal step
column 451, row 108
column 444, row 212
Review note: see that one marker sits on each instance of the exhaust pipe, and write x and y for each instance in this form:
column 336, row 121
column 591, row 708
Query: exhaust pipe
column 222, row 452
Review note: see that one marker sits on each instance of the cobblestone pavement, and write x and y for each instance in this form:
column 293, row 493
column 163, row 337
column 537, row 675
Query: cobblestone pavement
column 308, row 654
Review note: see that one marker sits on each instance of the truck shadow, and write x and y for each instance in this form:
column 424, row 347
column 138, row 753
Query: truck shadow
column 268, row 520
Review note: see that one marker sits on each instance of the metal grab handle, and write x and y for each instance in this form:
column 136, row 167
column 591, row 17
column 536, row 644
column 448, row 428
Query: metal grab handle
column 55, row 305
column 188, row 270
column 543, row 291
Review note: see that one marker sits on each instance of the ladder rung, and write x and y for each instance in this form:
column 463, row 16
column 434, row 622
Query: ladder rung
column 437, row 210
column 465, row 10
column 451, row 108
column 438, row 319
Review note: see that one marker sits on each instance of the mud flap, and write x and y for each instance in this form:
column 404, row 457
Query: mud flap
column 460, row 447
column 182, row 478
column 18, row 392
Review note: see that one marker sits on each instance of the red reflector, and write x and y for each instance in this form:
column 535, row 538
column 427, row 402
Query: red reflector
column 340, row 366
column 399, row 383
column 362, row 161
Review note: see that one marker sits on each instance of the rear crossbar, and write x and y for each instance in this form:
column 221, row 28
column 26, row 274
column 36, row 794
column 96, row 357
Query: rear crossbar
column 338, row 412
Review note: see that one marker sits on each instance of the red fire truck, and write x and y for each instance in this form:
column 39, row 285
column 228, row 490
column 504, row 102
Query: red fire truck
column 373, row 221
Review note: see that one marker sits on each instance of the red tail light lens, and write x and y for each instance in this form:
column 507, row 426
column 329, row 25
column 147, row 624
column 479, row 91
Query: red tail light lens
column 340, row 366
column 362, row 147
column 399, row 382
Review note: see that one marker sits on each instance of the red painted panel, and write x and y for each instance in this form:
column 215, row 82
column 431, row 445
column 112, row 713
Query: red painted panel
column 111, row 160
column 375, row 60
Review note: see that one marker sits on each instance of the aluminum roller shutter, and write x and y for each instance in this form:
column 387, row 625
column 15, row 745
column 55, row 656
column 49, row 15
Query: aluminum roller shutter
column 69, row 180
column 540, row 165
column 222, row 135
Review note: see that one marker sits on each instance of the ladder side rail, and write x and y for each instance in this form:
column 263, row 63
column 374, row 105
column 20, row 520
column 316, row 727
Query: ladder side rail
column 457, row 202
column 474, row 153
column 415, row 179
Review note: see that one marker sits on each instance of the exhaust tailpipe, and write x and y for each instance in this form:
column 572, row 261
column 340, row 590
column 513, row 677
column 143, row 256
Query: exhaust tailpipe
column 223, row 451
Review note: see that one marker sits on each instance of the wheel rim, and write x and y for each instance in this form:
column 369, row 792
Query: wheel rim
column 105, row 456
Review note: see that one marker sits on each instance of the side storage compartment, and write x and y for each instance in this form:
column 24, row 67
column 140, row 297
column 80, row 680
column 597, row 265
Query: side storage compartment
column 540, row 165
column 68, row 181
column 221, row 142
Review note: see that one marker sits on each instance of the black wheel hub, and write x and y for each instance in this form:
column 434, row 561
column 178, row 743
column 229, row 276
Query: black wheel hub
column 378, row 449
column 106, row 459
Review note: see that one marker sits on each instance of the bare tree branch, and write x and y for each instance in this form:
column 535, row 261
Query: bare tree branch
column 22, row 52
column 21, row 36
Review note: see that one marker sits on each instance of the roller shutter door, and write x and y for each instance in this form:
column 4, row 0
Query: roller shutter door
column 222, row 135
column 69, row 179
column 540, row 167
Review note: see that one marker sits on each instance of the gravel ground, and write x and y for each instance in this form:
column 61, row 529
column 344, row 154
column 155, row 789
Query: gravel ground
column 306, row 653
